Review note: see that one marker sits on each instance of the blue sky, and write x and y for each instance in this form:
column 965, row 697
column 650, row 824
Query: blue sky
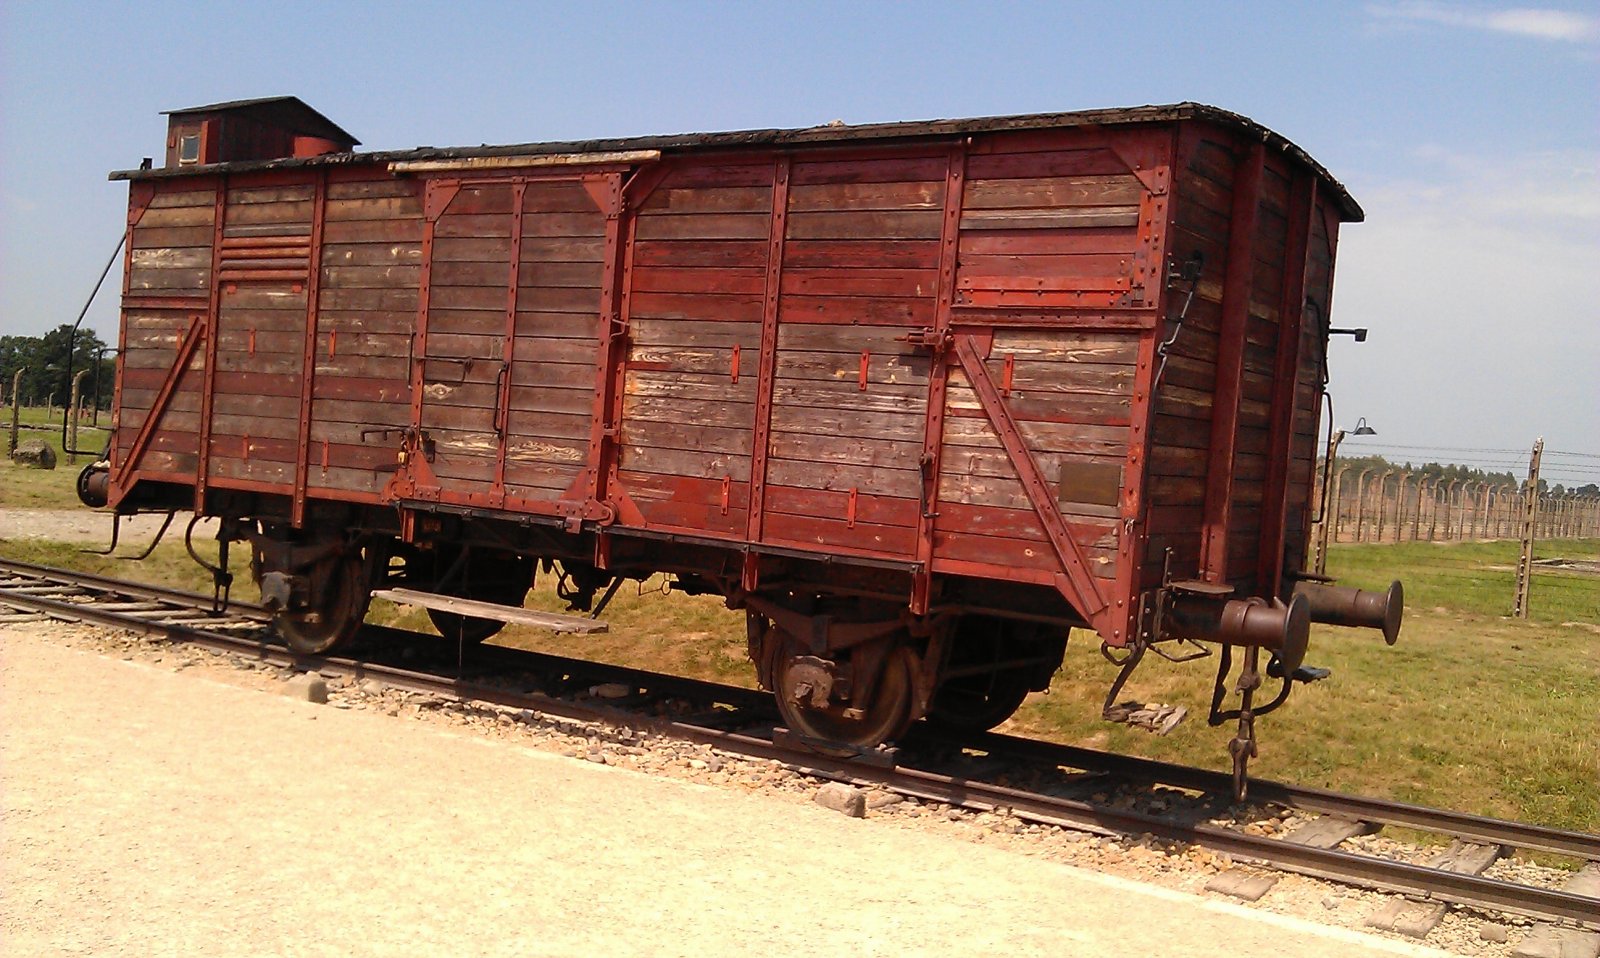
column 1470, row 132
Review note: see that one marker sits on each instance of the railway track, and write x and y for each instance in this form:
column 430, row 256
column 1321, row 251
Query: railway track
column 740, row 721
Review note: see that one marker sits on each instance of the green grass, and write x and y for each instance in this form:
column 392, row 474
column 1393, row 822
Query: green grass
column 1477, row 577
column 27, row 488
column 169, row 565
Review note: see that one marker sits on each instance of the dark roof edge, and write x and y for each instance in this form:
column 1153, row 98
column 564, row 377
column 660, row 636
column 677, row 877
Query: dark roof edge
column 902, row 131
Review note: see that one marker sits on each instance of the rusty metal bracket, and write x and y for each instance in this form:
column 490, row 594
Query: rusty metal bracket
column 437, row 196
column 116, row 527
column 938, row 340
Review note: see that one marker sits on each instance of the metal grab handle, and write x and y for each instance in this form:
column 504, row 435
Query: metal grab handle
column 502, row 398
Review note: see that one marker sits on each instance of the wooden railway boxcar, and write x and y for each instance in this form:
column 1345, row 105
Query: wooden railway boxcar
column 919, row 397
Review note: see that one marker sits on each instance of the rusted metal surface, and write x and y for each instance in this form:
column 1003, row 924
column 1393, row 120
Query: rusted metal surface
column 760, row 438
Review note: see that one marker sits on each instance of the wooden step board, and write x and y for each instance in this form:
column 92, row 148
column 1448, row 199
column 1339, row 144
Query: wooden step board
column 553, row 621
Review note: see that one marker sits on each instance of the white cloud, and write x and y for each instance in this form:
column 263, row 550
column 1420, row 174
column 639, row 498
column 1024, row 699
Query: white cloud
column 1553, row 193
column 1476, row 274
column 1538, row 23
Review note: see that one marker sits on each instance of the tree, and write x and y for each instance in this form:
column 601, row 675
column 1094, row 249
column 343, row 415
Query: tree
column 48, row 369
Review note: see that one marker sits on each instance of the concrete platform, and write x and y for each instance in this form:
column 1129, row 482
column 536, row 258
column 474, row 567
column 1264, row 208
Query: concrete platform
column 154, row 813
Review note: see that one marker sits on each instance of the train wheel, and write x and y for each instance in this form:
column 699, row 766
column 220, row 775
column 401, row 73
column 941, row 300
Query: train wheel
column 487, row 576
column 977, row 703
column 993, row 665
column 327, row 625
column 796, row 680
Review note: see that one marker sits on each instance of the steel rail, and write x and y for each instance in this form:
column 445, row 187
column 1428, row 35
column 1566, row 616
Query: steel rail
column 1405, row 878
column 90, row 581
column 1474, row 828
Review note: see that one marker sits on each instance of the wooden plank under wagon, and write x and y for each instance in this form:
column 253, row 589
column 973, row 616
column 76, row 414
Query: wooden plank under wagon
column 553, row 621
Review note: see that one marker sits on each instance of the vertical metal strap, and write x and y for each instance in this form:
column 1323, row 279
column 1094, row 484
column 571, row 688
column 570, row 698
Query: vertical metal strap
column 508, row 349
column 1237, row 277
column 208, row 390
column 436, row 198
column 955, row 175
column 612, row 334
column 777, row 229
column 1285, row 382
column 1163, row 154
column 308, row 369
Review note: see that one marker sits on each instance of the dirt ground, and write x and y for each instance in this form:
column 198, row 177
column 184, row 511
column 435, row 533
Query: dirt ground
column 153, row 812
column 91, row 527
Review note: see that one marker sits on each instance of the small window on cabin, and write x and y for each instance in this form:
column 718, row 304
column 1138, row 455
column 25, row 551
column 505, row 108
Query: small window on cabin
column 189, row 148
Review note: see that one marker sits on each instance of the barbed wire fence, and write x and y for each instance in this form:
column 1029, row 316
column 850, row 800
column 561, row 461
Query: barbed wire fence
column 1385, row 503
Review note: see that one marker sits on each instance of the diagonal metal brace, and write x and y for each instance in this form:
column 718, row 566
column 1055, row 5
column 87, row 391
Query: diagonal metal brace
column 1081, row 588
column 158, row 409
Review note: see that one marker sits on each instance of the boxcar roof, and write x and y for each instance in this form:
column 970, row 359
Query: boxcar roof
column 839, row 133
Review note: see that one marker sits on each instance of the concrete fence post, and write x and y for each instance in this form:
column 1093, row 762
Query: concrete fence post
column 1362, row 494
column 1530, row 524
column 16, row 408
column 73, row 409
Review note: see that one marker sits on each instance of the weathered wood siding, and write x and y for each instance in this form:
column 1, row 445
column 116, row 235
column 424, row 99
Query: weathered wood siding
column 794, row 342
column 1305, row 445
column 261, row 334
column 694, row 309
column 366, row 312
column 1175, row 485
column 166, row 290
column 849, row 395
column 1209, row 170
column 464, row 348
column 555, row 348
column 1049, row 232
